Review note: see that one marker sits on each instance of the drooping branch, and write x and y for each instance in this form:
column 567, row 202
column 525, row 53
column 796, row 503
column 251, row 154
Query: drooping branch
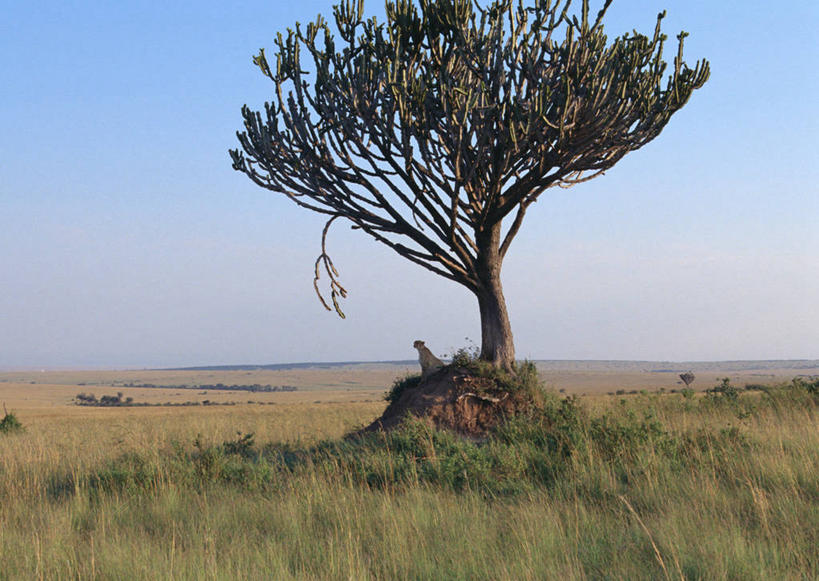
column 324, row 260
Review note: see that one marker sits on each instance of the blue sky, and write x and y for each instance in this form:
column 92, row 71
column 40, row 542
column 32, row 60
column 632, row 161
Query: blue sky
column 126, row 239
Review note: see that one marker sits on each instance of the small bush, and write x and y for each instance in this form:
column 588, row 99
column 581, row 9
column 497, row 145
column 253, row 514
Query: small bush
column 10, row 424
column 809, row 385
column 618, row 436
column 241, row 446
column 130, row 473
column 400, row 385
column 724, row 392
column 755, row 387
column 465, row 356
column 523, row 379
column 801, row 392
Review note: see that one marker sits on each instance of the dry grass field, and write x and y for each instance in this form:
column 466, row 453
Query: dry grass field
column 40, row 391
column 43, row 390
column 654, row 485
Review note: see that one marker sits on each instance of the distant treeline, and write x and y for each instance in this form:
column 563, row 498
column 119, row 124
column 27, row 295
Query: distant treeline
column 289, row 366
column 105, row 400
column 256, row 387
column 90, row 400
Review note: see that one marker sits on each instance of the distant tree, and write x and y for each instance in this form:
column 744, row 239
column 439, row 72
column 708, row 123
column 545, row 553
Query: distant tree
column 687, row 378
column 88, row 398
column 430, row 129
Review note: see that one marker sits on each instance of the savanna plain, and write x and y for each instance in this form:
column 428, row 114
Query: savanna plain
column 625, row 473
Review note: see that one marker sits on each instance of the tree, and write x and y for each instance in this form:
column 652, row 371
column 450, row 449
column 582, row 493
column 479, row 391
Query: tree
column 429, row 130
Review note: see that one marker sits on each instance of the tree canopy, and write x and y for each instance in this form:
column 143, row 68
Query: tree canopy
column 429, row 129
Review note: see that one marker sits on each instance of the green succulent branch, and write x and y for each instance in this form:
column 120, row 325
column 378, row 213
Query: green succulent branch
column 427, row 130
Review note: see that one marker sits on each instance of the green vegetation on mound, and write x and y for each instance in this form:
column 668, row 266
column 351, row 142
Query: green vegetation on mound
column 469, row 396
column 524, row 379
column 400, row 385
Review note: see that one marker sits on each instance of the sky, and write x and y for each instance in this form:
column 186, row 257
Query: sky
column 126, row 239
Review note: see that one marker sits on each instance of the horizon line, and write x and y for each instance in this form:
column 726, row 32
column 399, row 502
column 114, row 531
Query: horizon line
column 307, row 364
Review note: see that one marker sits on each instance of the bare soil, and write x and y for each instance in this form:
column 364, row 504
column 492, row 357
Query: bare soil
column 454, row 399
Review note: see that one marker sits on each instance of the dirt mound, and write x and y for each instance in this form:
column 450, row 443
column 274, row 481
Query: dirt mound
column 454, row 399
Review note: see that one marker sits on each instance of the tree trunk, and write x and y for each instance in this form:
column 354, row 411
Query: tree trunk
column 497, row 346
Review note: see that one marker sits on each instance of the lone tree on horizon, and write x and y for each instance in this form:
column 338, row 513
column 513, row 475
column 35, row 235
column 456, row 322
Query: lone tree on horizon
column 428, row 130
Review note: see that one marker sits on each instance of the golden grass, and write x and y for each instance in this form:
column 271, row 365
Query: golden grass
column 750, row 512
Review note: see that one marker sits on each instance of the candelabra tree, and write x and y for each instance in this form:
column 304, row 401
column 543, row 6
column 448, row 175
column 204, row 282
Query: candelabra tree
column 687, row 378
column 435, row 130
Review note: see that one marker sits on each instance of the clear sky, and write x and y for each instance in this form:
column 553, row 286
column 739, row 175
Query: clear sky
column 126, row 239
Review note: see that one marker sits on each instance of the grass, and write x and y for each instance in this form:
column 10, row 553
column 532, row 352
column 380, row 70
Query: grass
column 651, row 486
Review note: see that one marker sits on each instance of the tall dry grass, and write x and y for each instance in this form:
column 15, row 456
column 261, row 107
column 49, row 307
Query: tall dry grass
column 643, row 487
